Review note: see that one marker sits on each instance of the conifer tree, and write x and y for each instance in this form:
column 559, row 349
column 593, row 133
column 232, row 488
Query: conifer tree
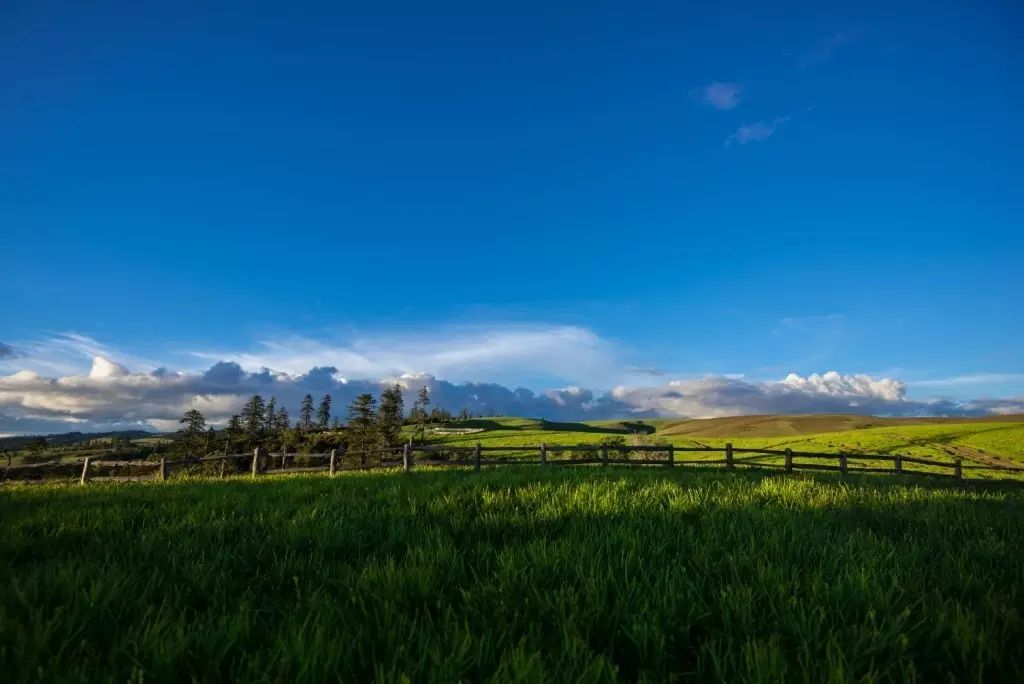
column 362, row 423
column 253, row 419
column 323, row 412
column 270, row 417
column 306, row 413
column 193, row 432
column 390, row 415
column 420, row 409
column 234, row 432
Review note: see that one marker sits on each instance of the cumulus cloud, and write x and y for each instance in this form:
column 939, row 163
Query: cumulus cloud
column 72, row 382
column 998, row 407
column 158, row 398
column 110, row 396
column 830, row 392
column 756, row 132
column 722, row 95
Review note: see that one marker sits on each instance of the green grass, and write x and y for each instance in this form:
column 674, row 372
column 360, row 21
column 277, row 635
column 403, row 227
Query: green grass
column 973, row 441
column 523, row 574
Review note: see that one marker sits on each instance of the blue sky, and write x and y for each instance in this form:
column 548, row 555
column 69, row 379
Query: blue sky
column 540, row 194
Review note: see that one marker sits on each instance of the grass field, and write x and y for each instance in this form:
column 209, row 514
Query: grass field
column 517, row 575
column 982, row 441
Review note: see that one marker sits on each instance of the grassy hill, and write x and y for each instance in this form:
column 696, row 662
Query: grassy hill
column 786, row 426
column 71, row 439
column 995, row 440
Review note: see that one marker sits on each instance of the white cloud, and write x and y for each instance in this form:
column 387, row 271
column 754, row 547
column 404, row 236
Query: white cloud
column 722, row 95
column 65, row 354
column 830, row 392
column 837, row 385
column 460, row 353
column 971, row 379
column 756, row 132
column 102, row 393
column 103, row 368
column 115, row 397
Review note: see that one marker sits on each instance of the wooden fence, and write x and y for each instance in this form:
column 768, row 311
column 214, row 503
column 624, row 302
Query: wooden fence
column 261, row 462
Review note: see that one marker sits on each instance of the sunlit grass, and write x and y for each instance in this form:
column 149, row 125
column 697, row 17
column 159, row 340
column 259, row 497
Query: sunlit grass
column 519, row 574
column 943, row 442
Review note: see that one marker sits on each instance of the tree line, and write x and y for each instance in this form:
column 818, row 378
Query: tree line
column 372, row 423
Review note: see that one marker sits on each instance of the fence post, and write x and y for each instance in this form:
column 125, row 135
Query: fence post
column 284, row 455
column 256, row 462
column 406, row 461
column 85, row 471
column 958, row 470
column 842, row 463
column 163, row 468
column 543, row 454
column 899, row 464
column 671, row 456
column 728, row 456
column 223, row 465
column 604, row 455
column 476, row 457
column 334, row 461
column 789, row 460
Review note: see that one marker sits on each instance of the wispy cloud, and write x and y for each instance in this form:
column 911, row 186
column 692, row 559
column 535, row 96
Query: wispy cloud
column 7, row 351
column 971, row 379
column 722, row 95
column 506, row 353
column 825, row 49
column 756, row 132
column 647, row 370
column 66, row 353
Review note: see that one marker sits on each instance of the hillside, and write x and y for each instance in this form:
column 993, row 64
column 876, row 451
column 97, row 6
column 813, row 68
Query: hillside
column 780, row 426
column 992, row 440
column 69, row 439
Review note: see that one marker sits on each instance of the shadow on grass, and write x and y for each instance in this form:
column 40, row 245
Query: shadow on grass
column 655, row 573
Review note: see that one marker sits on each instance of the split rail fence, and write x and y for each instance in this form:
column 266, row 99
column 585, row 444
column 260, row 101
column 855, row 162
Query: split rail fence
column 406, row 457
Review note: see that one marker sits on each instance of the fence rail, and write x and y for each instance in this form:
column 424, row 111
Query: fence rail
column 262, row 462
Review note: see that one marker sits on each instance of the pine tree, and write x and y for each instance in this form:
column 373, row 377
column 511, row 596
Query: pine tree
column 191, row 436
column 362, row 419
column 323, row 412
column 306, row 413
column 270, row 421
column 420, row 408
column 282, row 422
column 234, row 432
column 211, row 440
column 390, row 415
column 253, row 419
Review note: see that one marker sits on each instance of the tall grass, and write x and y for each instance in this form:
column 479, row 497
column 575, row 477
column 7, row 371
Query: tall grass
column 518, row 575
